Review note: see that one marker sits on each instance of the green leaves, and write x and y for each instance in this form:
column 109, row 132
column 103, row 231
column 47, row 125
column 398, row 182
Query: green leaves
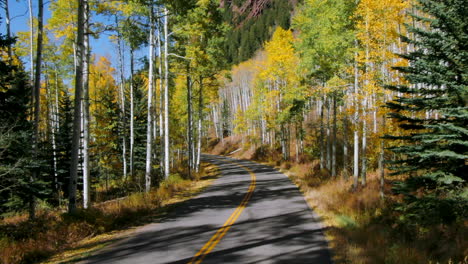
column 326, row 36
column 434, row 115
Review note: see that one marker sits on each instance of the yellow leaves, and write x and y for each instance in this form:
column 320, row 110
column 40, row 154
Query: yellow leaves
column 240, row 123
column 281, row 59
column 203, row 3
column 101, row 82
column 378, row 22
column 274, row 78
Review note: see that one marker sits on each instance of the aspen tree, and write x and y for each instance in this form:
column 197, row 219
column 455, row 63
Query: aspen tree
column 166, row 93
column 334, row 139
column 122, row 101
column 149, row 123
column 37, row 100
column 77, row 108
column 31, row 41
column 161, row 96
column 356, row 123
column 85, row 102
column 8, row 28
column 189, row 121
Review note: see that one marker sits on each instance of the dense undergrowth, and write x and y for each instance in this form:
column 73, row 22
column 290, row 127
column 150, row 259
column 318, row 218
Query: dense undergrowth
column 361, row 226
column 26, row 241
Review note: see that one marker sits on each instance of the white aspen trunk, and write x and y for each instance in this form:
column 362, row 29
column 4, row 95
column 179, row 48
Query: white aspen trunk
column 54, row 147
column 150, row 106
column 161, row 100
column 322, row 145
column 356, row 122
column 8, row 29
column 51, row 127
column 80, row 164
column 364, row 146
column 122, row 102
column 297, row 141
column 382, row 161
column 329, row 158
column 132, row 113
column 31, row 40
column 200, row 118
column 75, row 59
column 301, row 138
column 215, row 121
column 283, row 141
column 166, row 95
column 192, row 148
column 364, row 117
column 264, row 132
column 333, row 162
column 86, row 58
column 345, row 146
column 37, row 103
column 374, row 113
column 57, row 108
column 189, row 122
column 77, row 109
column 56, row 125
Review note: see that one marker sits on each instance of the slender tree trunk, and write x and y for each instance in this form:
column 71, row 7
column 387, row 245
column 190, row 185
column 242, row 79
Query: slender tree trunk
column 356, row 123
column 56, row 130
column 161, row 101
column 364, row 146
column 215, row 121
column 150, row 105
column 8, row 30
column 374, row 112
column 382, row 161
column 57, row 119
column 53, row 131
column 77, row 109
column 200, row 118
column 31, row 40
column 333, row 165
column 364, row 116
column 132, row 124
column 86, row 61
column 166, row 95
column 329, row 158
column 122, row 102
column 189, row 122
column 345, row 146
column 322, row 138
column 296, row 128
column 37, row 103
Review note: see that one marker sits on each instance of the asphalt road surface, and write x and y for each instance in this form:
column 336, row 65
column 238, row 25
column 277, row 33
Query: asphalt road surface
column 252, row 214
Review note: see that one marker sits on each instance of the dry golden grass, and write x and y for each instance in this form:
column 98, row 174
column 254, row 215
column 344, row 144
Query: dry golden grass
column 24, row 241
column 359, row 226
column 226, row 146
column 360, row 231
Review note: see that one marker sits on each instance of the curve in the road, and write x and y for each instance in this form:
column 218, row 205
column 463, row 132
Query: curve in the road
column 208, row 247
column 267, row 218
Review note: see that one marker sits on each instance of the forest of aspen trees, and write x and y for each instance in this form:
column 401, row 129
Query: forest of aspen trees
column 372, row 94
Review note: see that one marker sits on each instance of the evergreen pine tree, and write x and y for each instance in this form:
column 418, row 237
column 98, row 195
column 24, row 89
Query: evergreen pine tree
column 63, row 139
column 433, row 111
column 15, row 136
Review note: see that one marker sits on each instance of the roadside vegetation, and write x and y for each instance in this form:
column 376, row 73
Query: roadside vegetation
column 28, row 241
column 364, row 102
column 361, row 225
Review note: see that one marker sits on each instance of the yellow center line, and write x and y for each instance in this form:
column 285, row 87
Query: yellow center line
column 214, row 240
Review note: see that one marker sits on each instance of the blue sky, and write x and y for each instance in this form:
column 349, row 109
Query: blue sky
column 19, row 14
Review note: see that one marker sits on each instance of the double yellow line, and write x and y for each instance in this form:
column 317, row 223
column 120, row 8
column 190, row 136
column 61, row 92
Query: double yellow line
column 214, row 240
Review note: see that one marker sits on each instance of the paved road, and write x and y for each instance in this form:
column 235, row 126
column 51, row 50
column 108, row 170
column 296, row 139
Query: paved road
column 252, row 214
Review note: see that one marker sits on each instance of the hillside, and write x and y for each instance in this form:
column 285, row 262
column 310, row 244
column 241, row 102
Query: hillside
column 252, row 23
